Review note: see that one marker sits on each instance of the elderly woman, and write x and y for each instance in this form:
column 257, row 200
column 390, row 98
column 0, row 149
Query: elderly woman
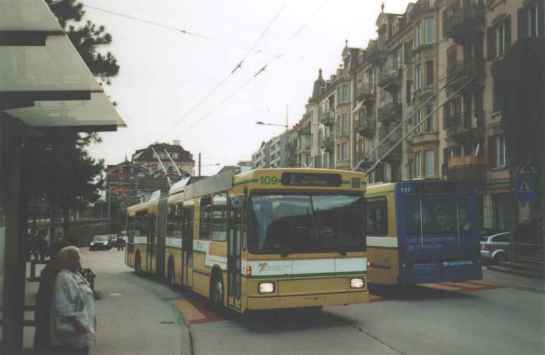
column 73, row 307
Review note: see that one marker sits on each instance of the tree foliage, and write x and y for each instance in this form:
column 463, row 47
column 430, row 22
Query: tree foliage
column 87, row 38
column 57, row 166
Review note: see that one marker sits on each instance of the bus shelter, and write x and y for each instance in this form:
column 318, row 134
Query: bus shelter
column 44, row 83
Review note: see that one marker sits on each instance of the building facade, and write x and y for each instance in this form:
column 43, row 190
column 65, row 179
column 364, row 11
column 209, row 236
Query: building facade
column 424, row 100
column 150, row 169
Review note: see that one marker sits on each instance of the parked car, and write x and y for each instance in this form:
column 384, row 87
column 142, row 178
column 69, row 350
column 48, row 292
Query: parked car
column 101, row 242
column 495, row 246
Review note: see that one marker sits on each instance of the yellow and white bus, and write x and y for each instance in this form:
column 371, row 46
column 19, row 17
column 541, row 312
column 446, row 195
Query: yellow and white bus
column 263, row 239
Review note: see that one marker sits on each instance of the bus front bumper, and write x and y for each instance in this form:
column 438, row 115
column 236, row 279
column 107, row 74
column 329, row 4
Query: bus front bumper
column 446, row 271
column 309, row 300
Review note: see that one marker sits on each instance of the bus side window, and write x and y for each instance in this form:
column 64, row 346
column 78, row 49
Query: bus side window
column 214, row 218
column 377, row 217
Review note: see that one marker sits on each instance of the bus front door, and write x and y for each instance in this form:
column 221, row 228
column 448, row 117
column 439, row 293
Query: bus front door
column 233, row 257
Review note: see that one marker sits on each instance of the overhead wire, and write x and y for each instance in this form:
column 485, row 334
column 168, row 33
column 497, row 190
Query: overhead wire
column 146, row 21
column 299, row 30
column 235, row 69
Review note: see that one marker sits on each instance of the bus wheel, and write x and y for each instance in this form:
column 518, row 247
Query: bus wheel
column 500, row 258
column 216, row 293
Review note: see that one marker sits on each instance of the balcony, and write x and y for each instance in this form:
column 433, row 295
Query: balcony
column 390, row 112
column 327, row 144
column 365, row 126
column 327, row 118
column 304, row 131
column 390, row 80
column 424, row 93
column 462, row 22
column 376, row 55
column 423, row 136
column 464, row 127
column 466, row 169
column 459, row 74
column 362, row 92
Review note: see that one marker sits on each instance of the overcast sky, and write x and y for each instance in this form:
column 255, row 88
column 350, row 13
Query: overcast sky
column 165, row 74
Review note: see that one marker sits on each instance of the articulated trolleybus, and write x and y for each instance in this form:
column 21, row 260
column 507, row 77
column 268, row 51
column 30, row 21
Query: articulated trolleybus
column 422, row 231
column 262, row 239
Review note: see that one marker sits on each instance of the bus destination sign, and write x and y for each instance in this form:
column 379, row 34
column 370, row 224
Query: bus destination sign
column 305, row 179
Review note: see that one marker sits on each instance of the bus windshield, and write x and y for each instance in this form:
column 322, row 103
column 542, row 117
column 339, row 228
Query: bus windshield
column 429, row 216
column 306, row 223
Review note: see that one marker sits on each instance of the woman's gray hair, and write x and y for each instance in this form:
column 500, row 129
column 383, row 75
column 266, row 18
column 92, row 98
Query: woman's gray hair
column 67, row 256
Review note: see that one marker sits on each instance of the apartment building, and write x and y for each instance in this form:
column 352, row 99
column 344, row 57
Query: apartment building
column 428, row 98
column 513, row 96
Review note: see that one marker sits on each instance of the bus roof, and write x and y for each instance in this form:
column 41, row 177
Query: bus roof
column 324, row 179
column 143, row 207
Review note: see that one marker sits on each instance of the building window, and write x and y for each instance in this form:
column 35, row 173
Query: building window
column 418, row 122
column 429, row 72
column 343, row 94
column 501, row 152
column 530, row 22
column 418, row 164
column 499, row 38
column 429, row 156
column 430, row 119
column 425, row 32
column 418, row 76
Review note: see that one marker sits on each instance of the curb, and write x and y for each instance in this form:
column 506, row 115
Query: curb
column 186, row 336
column 508, row 270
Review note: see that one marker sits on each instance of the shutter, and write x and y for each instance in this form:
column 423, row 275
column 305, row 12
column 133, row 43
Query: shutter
column 508, row 33
column 522, row 23
column 491, row 45
column 492, row 151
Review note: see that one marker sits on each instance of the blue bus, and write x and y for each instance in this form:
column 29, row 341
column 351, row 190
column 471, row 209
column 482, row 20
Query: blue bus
column 422, row 231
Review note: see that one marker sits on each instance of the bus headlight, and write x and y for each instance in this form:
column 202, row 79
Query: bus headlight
column 266, row 287
column 357, row 283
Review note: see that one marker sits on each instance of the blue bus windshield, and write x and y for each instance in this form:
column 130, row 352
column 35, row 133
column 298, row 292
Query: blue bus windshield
column 437, row 215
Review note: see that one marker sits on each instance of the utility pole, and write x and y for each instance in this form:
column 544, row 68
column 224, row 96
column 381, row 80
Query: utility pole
column 199, row 165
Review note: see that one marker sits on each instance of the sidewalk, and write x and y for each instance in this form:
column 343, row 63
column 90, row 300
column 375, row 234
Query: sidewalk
column 135, row 316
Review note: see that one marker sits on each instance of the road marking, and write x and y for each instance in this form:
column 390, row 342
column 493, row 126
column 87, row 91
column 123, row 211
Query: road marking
column 483, row 283
column 191, row 313
column 441, row 287
column 115, row 294
column 465, row 285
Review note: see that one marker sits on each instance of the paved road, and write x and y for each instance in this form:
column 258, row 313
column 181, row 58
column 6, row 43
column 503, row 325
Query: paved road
column 136, row 316
column 502, row 315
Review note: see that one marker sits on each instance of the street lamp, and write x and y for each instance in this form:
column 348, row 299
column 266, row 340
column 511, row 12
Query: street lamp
column 261, row 123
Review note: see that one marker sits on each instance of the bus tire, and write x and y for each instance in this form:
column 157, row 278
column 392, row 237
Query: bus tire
column 137, row 264
column 500, row 258
column 217, row 292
